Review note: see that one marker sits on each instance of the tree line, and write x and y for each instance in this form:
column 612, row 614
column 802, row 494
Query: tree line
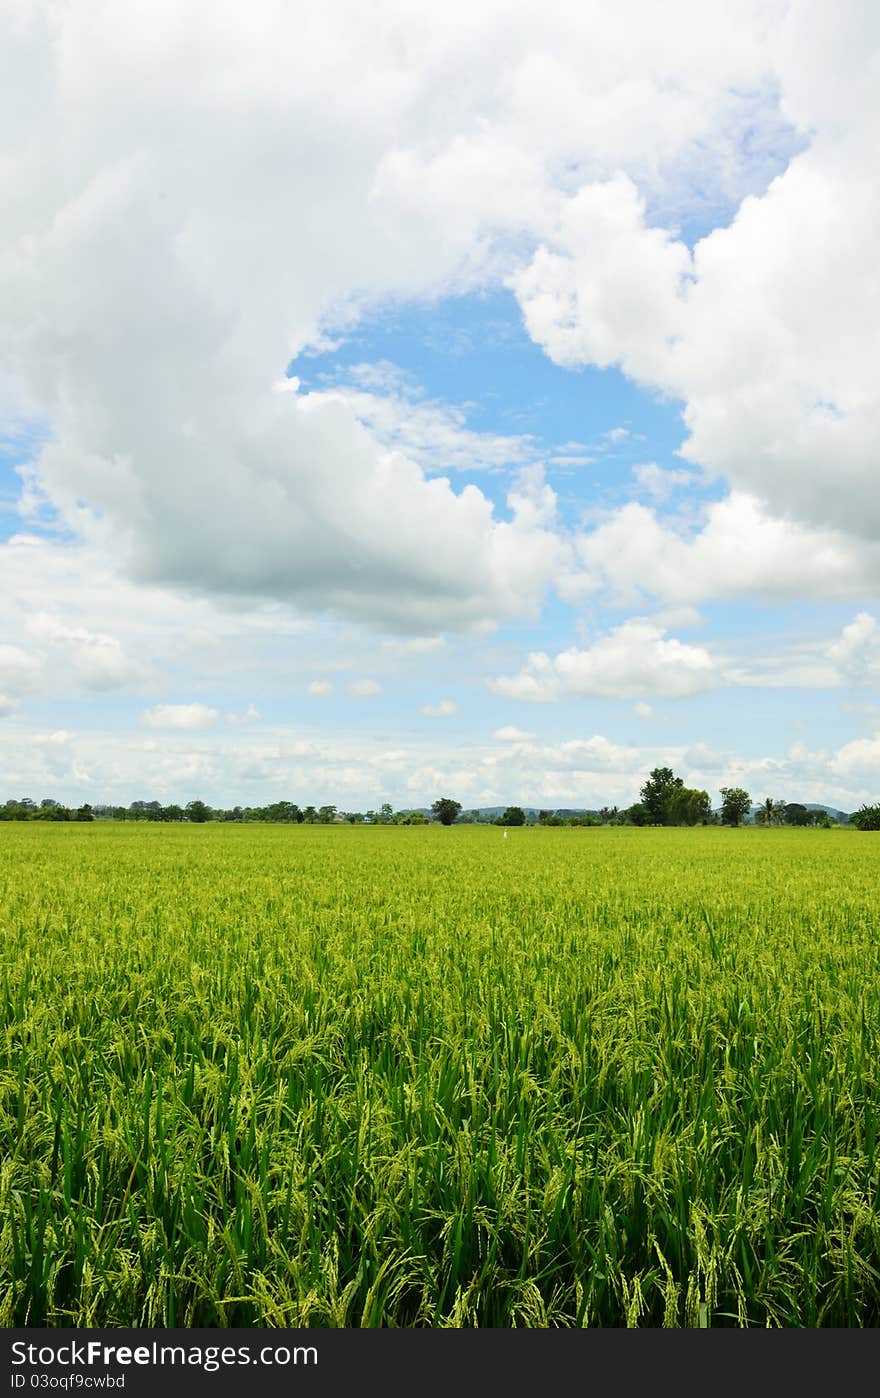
column 663, row 800
column 48, row 809
column 199, row 813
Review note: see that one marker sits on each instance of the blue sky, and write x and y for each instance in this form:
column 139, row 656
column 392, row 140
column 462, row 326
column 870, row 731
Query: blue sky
column 379, row 446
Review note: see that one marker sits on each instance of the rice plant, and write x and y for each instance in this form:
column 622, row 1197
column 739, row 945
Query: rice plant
column 354, row 1076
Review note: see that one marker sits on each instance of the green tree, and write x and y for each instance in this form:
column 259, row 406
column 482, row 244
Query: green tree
column 866, row 818
column 657, row 794
column 735, row 805
column 197, row 812
column 794, row 813
column 688, row 806
column 514, row 815
column 283, row 813
column 770, row 812
column 445, row 810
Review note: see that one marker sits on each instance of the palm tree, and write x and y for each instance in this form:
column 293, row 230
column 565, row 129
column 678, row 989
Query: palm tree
column 770, row 812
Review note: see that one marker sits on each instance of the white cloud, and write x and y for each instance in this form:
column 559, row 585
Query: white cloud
column 444, row 709
column 850, row 661
column 738, row 550
column 769, row 330
column 612, row 294
column 319, row 689
column 511, row 734
column 180, row 716
column 19, row 669
column 635, row 659
column 7, row 705
column 234, row 653
column 150, row 359
column 856, row 653
column 859, row 759
column 638, row 657
column 433, row 434
column 250, row 715
column 364, row 689
column 251, row 766
column 660, row 483
column 211, row 514
column 414, row 645
column 98, row 659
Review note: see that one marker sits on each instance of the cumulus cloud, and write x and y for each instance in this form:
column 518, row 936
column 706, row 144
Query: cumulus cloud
column 859, row 759
column 102, row 626
column 634, row 659
column 364, row 689
column 613, row 294
column 640, row 658
column 151, row 359
column 851, row 660
column 660, row 483
column 319, row 689
column 99, row 661
column 444, row 709
column 856, row 653
column 285, row 180
column 772, row 353
column 736, row 550
column 511, row 734
column 250, row 765
column 180, row 716
column 19, row 669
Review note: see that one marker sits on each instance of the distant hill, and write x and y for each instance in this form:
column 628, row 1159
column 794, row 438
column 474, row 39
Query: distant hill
column 842, row 816
column 531, row 812
column 835, row 814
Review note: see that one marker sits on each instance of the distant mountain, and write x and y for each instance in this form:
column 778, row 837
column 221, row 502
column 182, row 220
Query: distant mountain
column 842, row 816
column 835, row 814
column 490, row 812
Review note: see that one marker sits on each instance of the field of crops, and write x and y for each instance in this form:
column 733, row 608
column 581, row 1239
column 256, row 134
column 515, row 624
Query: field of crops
column 354, row 1076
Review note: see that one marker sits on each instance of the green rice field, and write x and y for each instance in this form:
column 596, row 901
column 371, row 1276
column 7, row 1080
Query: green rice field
column 352, row 1076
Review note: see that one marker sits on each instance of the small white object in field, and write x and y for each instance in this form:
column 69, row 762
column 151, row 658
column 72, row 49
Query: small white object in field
column 505, row 834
